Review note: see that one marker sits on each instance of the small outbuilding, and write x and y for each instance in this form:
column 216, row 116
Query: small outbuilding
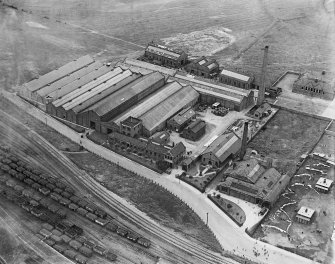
column 203, row 67
column 323, row 185
column 181, row 120
column 305, row 215
column 195, row 130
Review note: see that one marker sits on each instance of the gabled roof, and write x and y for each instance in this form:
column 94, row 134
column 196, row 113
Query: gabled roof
column 111, row 102
column 246, row 170
column 61, row 72
column 163, row 51
column 178, row 149
column 149, row 66
column 183, row 116
column 224, row 146
column 235, row 75
column 196, row 125
column 131, row 121
column 314, row 83
column 205, row 62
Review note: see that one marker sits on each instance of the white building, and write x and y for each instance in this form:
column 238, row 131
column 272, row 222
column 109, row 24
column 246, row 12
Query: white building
column 323, row 185
column 305, row 215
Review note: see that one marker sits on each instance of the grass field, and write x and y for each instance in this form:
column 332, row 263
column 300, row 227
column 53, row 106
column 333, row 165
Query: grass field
column 153, row 200
column 49, row 33
column 280, row 227
column 286, row 137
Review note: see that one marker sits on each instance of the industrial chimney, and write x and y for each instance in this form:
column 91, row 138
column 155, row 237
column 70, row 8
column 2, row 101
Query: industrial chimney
column 261, row 91
column 244, row 140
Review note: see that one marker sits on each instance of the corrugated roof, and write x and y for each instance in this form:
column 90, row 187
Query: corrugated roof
column 96, row 90
column 74, row 94
column 196, row 125
column 123, row 95
column 55, row 75
column 219, row 95
column 112, row 88
column 150, row 66
column 79, row 82
column 69, row 78
column 184, row 116
column 224, row 145
column 166, row 109
column 163, row 52
column 230, row 90
column 151, row 101
column 235, row 75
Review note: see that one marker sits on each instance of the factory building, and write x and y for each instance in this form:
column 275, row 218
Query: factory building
column 145, row 67
column 210, row 92
column 221, row 149
column 148, row 148
column 313, row 87
column 236, row 79
column 118, row 102
column 162, row 55
column 195, row 130
column 250, row 181
column 181, row 120
column 150, row 102
column 155, row 119
column 204, row 67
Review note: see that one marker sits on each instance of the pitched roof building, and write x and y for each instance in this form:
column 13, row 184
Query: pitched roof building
column 236, row 79
column 250, row 181
column 305, row 215
column 195, row 130
column 180, row 120
column 222, row 148
column 162, row 55
column 203, row 67
column 313, row 87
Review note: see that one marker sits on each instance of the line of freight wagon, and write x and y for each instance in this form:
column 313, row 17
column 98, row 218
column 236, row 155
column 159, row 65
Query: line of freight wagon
column 59, row 192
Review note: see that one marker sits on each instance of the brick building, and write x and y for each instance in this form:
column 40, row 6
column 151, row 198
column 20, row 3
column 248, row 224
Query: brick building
column 203, row 67
column 236, row 79
column 250, row 181
column 313, row 87
column 181, row 120
column 162, row 55
column 131, row 126
column 148, row 148
column 195, row 130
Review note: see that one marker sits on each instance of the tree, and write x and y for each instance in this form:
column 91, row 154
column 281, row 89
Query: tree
column 162, row 165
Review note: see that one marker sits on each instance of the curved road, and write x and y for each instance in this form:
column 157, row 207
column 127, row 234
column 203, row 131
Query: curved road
column 229, row 235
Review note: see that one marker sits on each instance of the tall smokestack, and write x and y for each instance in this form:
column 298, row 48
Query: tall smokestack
column 261, row 91
column 244, row 140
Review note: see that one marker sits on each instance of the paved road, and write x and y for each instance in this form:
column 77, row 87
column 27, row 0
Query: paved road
column 228, row 234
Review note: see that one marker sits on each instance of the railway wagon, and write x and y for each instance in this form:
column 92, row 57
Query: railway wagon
column 91, row 208
column 55, row 196
column 75, row 244
column 81, row 259
column 70, row 253
column 87, row 252
column 61, row 227
column 59, row 248
column 101, row 213
column 64, row 201
column 101, row 221
column 89, row 244
column 82, row 203
column 58, row 190
column 122, row 231
column 91, row 216
column 81, row 211
column 36, row 186
column 73, row 207
column 44, row 190
column 66, row 194
column 112, row 227
column 61, row 212
column 49, row 242
column 144, row 242
column 132, row 236
column 50, row 186
column 100, row 250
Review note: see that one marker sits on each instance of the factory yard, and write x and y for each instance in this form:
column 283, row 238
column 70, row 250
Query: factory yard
column 286, row 137
column 280, row 226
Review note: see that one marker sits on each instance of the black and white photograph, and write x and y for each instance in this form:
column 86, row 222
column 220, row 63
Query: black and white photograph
column 167, row 131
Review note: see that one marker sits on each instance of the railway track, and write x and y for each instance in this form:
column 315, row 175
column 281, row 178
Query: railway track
column 201, row 254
